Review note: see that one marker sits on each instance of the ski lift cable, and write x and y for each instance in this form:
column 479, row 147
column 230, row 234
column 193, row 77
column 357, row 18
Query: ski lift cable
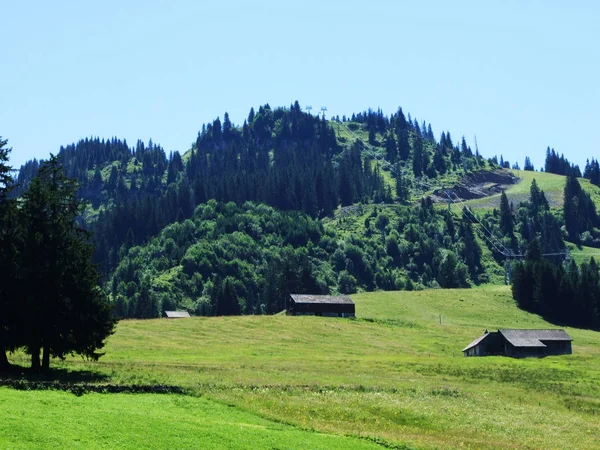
column 507, row 250
column 492, row 239
column 485, row 237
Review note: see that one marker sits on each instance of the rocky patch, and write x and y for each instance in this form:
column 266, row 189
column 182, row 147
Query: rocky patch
column 478, row 185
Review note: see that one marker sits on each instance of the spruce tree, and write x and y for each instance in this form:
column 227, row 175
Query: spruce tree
column 417, row 163
column 10, row 310
column 67, row 312
column 471, row 252
column 506, row 219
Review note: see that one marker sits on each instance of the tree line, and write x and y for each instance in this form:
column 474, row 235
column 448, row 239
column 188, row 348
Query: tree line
column 565, row 294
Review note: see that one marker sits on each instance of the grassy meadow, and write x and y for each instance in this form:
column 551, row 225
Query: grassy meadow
column 553, row 186
column 50, row 419
column 394, row 377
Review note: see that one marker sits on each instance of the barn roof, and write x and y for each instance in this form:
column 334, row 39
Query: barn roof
column 177, row 314
column 533, row 338
column 338, row 299
column 476, row 341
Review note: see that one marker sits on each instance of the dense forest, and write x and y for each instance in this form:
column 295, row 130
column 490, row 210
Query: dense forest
column 248, row 258
column 566, row 294
column 291, row 202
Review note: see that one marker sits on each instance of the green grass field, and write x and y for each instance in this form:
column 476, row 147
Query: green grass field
column 582, row 253
column 394, row 376
column 59, row 420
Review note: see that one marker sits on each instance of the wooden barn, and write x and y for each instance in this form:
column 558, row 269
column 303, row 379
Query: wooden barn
column 521, row 343
column 320, row 305
column 177, row 314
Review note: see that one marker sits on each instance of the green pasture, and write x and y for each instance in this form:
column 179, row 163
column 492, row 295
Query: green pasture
column 56, row 420
column 553, row 186
column 395, row 375
column 581, row 253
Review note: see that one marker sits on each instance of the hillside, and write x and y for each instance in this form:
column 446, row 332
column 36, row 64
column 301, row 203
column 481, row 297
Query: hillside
column 361, row 184
column 247, row 259
column 552, row 184
column 395, row 374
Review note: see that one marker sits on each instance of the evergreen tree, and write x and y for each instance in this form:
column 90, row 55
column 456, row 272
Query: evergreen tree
column 471, row 252
column 67, row 312
column 579, row 210
column 417, row 163
column 506, row 218
column 10, row 311
column 390, row 148
column 401, row 187
column 401, row 131
column 447, row 276
column 528, row 165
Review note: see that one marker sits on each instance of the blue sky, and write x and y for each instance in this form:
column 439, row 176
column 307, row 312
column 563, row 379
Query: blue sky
column 521, row 75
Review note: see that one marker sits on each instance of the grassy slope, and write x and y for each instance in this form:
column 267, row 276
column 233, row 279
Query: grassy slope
column 394, row 373
column 552, row 185
column 582, row 253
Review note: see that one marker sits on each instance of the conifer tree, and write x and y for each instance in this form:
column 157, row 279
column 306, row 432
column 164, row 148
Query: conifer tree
column 528, row 164
column 10, row 311
column 401, row 187
column 417, row 162
column 471, row 252
column 67, row 312
column 506, row 219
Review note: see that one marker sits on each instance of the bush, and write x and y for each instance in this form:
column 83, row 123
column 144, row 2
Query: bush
column 346, row 283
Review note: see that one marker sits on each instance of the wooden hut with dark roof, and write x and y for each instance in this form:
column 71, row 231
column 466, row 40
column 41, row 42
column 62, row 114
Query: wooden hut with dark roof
column 320, row 305
column 521, row 343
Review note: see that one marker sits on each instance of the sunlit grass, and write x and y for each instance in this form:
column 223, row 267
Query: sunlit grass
column 582, row 253
column 395, row 372
column 55, row 420
column 553, row 186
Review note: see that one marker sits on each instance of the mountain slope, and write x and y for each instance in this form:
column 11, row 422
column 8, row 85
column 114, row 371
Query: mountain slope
column 230, row 259
column 293, row 161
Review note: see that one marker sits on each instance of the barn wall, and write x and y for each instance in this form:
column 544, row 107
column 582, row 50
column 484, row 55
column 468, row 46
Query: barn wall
column 558, row 347
column 321, row 309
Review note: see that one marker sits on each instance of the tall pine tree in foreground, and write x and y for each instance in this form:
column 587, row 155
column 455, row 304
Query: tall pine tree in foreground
column 9, row 311
column 67, row 312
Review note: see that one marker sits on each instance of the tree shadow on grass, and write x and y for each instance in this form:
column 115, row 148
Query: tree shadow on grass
column 54, row 374
column 78, row 382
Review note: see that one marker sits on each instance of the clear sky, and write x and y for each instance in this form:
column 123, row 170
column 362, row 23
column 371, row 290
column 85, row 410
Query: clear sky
column 521, row 75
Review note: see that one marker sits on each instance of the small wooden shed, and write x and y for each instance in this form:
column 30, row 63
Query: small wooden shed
column 521, row 343
column 177, row 314
column 320, row 305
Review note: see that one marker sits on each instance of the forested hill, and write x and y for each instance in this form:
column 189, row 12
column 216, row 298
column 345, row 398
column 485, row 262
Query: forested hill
column 301, row 164
column 284, row 157
column 231, row 259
